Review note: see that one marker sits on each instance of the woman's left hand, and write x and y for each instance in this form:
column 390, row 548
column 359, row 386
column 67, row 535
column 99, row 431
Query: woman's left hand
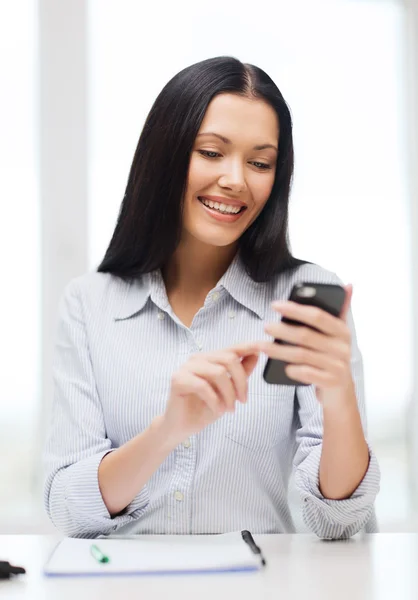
column 321, row 358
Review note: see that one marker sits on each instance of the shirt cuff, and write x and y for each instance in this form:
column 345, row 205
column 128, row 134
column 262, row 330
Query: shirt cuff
column 85, row 502
column 333, row 519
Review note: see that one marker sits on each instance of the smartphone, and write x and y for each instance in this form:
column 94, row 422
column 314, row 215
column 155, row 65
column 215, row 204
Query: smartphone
column 328, row 297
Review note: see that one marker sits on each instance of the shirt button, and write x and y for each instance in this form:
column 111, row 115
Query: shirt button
column 161, row 316
column 178, row 496
column 187, row 443
column 215, row 296
column 231, row 314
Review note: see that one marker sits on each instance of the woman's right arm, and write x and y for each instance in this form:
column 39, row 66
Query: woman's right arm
column 126, row 470
column 77, row 441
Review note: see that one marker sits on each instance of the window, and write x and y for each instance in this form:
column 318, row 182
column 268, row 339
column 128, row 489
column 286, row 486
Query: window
column 20, row 251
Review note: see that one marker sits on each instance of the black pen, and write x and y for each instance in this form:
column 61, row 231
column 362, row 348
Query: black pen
column 248, row 539
column 6, row 570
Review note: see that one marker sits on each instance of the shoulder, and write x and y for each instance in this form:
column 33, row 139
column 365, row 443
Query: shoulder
column 93, row 286
column 307, row 272
column 314, row 273
column 97, row 293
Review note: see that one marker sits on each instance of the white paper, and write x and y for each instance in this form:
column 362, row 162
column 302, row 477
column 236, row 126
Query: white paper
column 151, row 554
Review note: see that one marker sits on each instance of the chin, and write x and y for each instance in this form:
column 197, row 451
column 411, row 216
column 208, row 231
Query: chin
column 208, row 236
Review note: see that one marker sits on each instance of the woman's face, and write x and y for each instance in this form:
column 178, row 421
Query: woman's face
column 232, row 168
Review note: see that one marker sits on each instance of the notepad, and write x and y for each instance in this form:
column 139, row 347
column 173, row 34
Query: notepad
column 144, row 555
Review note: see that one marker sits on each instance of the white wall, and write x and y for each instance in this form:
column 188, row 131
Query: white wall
column 411, row 104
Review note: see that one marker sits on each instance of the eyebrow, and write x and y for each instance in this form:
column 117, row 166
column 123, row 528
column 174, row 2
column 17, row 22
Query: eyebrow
column 227, row 141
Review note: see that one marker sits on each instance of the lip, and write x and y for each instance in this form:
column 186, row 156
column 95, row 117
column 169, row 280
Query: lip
column 217, row 216
column 222, row 200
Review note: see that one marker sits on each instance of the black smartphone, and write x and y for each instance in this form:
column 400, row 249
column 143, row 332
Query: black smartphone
column 327, row 296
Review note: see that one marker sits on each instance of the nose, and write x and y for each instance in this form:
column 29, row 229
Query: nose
column 233, row 178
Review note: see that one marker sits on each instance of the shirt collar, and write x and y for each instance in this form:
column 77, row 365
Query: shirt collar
column 134, row 296
column 235, row 281
column 243, row 289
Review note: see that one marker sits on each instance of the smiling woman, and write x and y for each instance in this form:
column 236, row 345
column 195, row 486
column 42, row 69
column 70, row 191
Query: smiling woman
column 151, row 433
column 218, row 123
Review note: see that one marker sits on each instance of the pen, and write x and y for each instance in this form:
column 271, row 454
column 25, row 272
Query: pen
column 6, row 570
column 98, row 554
column 248, row 539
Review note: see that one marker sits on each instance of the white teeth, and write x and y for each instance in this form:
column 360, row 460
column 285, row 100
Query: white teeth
column 223, row 208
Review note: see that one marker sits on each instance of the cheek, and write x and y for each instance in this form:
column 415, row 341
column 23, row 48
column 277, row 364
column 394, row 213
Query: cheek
column 261, row 189
column 198, row 177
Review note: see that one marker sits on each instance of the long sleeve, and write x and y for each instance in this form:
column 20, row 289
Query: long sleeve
column 332, row 519
column 77, row 439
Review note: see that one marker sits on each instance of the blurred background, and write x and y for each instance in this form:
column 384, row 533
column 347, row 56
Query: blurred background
column 77, row 81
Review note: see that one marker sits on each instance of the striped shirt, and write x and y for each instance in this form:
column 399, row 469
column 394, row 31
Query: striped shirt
column 117, row 345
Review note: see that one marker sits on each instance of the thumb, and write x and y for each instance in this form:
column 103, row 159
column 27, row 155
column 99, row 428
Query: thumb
column 249, row 363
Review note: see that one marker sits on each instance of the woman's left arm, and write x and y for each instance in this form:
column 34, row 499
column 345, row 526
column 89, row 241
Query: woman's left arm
column 336, row 472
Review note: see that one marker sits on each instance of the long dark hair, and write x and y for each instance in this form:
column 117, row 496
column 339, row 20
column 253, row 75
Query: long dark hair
column 149, row 224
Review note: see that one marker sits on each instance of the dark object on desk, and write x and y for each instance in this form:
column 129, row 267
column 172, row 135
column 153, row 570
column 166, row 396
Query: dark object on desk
column 248, row 539
column 6, row 569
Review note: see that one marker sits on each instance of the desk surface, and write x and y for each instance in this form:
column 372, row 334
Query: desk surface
column 372, row 567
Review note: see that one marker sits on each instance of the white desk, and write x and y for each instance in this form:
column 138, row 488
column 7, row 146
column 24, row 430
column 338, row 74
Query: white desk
column 374, row 567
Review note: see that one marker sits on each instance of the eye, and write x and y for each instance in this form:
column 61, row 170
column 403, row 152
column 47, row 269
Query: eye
column 209, row 153
column 261, row 166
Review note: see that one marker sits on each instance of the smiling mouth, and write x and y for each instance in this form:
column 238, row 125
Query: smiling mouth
column 221, row 208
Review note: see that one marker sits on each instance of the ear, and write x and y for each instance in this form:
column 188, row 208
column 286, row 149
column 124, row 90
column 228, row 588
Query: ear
column 347, row 302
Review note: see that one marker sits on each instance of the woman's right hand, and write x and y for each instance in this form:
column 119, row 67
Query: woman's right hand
column 206, row 387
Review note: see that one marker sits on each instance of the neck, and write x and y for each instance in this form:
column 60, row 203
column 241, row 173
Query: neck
column 196, row 268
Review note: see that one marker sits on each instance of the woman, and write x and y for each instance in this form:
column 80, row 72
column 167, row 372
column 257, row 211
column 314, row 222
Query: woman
column 162, row 421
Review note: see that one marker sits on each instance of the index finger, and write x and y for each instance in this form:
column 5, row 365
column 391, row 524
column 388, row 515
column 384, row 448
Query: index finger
column 248, row 354
column 311, row 315
column 242, row 350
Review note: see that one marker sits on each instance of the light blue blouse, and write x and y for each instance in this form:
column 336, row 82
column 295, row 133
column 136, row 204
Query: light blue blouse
column 117, row 346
